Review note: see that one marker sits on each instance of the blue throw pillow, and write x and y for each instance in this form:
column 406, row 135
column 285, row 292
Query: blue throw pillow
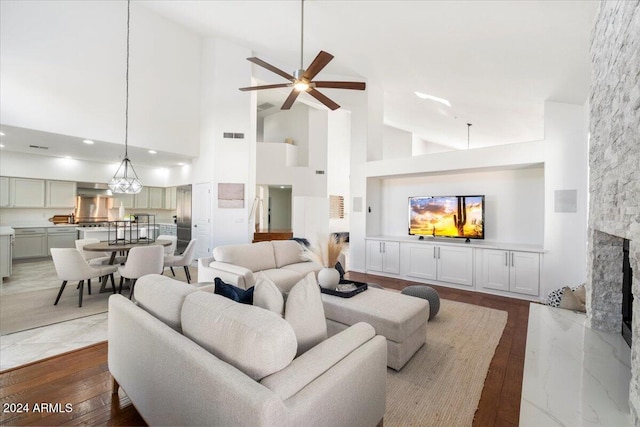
column 244, row 296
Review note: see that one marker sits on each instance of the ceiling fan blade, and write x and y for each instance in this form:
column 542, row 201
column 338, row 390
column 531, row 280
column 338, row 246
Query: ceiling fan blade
column 317, row 65
column 320, row 97
column 290, row 99
column 342, row 85
column 244, row 89
column 271, row 68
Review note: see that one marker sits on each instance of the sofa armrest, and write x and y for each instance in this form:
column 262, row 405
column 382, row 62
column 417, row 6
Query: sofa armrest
column 229, row 273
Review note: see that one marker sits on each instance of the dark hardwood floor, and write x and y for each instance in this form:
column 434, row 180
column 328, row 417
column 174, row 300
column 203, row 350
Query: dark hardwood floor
column 75, row 388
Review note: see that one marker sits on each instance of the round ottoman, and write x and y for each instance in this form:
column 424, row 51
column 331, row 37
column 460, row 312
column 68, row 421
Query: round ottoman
column 425, row 292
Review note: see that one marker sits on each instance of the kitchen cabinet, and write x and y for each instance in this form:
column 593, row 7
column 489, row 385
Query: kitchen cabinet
column 6, row 249
column 383, row 256
column 26, row 193
column 125, row 199
column 141, row 200
column 61, row 194
column 30, row 243
column 61, row 237
column 445, row 263
column 170, row 198
column 156, row 197
column 168, row 230
column 4, row 191
column 509, row 271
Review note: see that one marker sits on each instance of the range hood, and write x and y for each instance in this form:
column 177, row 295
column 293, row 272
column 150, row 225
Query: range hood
column 93, row 189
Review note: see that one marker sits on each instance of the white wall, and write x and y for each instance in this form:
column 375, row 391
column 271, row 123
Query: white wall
column 223, row 160
column 293, row 123
column 566, row 168
column 339, row 157
column 47, row 167
column 420, row 147
column 514, row 201
column 396, row 143
column 63, row 71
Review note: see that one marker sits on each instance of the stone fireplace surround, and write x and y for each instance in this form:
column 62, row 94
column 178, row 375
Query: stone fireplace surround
column 614, row 173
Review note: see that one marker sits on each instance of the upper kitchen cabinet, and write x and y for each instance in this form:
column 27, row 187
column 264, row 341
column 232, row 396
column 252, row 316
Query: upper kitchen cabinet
column 4, row 192
column 125, row 199
column 170, row 198
column 156, row 197
column 26, row 193
column 61, row 194
column 141, row 200
column 149, row 198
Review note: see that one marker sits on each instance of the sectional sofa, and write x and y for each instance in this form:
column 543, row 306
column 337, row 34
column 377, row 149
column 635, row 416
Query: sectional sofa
column 280, row 260
column 186, row 356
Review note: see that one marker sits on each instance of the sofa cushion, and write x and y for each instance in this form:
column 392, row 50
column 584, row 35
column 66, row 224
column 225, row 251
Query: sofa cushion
column 256, row 256
column 305, row 313
column 304, row 268
column 244, row 296
column 162, row 297
column 268, row 296
column 256, row 341
column 284, row 278
column 286, row 252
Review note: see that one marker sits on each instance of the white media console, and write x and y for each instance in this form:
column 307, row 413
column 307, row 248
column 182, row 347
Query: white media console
column 503, row 269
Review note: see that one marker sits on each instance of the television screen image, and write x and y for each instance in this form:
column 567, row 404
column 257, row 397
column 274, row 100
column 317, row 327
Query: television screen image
column 447, row 216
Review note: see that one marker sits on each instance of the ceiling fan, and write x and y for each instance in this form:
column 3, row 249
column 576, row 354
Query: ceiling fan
column 302, row 79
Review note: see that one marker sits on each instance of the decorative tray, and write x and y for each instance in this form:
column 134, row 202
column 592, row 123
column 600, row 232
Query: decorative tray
column 349, row 291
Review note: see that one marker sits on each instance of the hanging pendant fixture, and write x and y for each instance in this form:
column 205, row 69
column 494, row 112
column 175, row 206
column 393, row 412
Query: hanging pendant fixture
column 468, row 134
column 125, row 180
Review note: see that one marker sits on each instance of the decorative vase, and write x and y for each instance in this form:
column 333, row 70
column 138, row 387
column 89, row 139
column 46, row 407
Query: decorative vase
column 121, row 211
column 328, row 278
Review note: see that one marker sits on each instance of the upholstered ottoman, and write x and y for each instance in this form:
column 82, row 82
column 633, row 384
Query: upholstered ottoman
column 401, row 319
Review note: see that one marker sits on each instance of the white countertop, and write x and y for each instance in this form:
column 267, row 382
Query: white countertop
column 6, row 231
column 46, row 224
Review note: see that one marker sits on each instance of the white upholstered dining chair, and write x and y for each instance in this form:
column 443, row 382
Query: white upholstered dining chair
column 71, row 266
column 142, row 260
column 183, row 260
column 171, row 249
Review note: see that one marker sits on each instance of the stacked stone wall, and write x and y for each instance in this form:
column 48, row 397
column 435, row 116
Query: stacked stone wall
column 614, row 175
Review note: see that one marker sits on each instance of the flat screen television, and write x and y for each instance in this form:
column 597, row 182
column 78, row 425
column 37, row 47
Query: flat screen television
column 447, row 216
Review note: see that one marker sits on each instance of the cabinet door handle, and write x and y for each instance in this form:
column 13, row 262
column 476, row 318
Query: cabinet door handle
column 439, row 252
column 512, row 262
column 434, row 252
column 384, row 247
column 506, row 259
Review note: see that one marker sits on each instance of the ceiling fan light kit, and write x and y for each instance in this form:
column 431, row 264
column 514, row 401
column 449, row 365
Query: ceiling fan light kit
column 302, row 80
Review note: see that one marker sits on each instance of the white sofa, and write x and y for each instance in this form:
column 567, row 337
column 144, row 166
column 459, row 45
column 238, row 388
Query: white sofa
column 186, row 356
column 280, row 260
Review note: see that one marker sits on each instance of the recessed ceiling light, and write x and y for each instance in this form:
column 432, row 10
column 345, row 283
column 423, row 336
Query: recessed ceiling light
column 180, row 164
column 1, row 133
column 152, row 151
column 87, row 141
column 433, row 98
column 67, row 157
column 1, row 145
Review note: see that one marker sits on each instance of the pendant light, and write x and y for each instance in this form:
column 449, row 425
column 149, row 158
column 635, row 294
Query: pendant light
column 125, row 180
column 468, row 133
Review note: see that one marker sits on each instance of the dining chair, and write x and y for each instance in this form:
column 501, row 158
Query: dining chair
column 71, row 266
column 96, row 258
column 183, row 260
column 171, row 249
column 142, row 260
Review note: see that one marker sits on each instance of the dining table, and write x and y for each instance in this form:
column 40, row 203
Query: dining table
column 124, row 247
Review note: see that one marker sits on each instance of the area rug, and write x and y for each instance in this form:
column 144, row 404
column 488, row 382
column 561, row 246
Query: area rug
column 442, row 384
column 31, row 308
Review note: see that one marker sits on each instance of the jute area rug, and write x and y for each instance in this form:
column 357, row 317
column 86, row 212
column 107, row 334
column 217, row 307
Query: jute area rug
column 34, row 307
column 442, row 384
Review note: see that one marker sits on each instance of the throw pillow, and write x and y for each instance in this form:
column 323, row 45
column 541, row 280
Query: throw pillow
column 268, row 296
column 244, row 296
column 581, row 293
column 305, row 313
column 570, row 302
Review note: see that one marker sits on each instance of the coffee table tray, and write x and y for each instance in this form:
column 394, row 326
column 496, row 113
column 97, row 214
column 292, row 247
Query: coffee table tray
column 360, row 287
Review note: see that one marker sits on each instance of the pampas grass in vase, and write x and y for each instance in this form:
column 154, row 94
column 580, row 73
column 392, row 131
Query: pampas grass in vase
column 326, row 253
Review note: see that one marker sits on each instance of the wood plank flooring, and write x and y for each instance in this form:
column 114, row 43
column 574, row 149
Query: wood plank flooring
column 80, row 383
